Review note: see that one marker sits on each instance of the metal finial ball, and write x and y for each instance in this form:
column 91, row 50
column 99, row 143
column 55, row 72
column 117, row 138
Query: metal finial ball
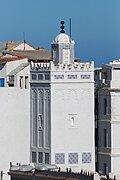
column 62, row 22
column 62, row 27
column 62, row 31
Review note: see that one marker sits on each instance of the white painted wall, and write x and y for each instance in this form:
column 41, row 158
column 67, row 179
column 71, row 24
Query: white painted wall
column 115, row 164
column 72, row 97
column 115, row 132
column 14, row 127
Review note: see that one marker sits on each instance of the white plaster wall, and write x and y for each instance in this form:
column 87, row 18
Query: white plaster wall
column 14, row 127
column 115, row 164
column 23, row 46
column 115, row 106
column 72, row 98
column 115, row 75
column 115, row 141
column 115, row 83
column 115, row 120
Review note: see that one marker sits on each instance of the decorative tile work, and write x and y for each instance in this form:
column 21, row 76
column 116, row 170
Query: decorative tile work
column 59, row 158
column 73, row 158
column 85, row 76
column 72, row 76
column 86, row 157
column 59, row 76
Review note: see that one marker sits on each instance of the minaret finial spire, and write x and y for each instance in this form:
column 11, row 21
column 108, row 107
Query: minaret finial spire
column 62, row 27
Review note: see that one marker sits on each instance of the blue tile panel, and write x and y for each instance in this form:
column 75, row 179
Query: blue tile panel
column 59, row 76
column 72, row 76
column 73, row 158
column 86, row 157
column 59, row 158
column 85, row 76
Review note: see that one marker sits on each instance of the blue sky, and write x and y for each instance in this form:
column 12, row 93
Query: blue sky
column 95, row 25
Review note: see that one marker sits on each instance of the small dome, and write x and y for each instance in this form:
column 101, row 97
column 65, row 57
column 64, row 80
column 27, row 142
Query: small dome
column 62, row 38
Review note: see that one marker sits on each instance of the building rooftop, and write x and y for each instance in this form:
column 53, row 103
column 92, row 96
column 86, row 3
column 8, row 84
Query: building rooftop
column 113, row 64
column 7, row 45
column 5, row 59
column 40, row 54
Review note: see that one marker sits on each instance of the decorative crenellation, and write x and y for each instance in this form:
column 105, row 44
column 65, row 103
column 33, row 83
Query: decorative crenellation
column 39, row 66
column 76, row 66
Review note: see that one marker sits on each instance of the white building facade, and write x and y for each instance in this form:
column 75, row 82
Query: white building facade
column 62, row 109
column 108, row 117
column 15, row 111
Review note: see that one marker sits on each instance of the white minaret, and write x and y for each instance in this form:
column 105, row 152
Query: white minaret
column 72, row 108
column 64, row 99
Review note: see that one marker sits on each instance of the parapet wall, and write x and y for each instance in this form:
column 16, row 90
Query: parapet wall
column 77, row 66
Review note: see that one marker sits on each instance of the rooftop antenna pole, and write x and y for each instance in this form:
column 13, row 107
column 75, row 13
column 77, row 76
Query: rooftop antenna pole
column 70, row 24
column 24, row 39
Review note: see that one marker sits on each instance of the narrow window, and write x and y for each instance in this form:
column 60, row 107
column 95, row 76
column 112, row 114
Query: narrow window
column 40, row 157
column 2, row 82
column 72, row 121
column 105, row 138
column 46, row 158
column 34, row 77
column 26, row 82
column 40, row 76
column 34, row 157
column 105, row 169
column 105, row 106
column 47, row 77
column 11, row 81
column 96, row 137
column 21, row 81
column 96, row 106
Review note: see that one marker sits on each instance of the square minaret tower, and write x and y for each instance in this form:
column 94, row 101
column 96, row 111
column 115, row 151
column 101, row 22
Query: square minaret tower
column 62, row 109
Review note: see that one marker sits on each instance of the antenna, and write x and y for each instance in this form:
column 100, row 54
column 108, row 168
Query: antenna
column 24, row 39
column 70, row 24
column 62, row 27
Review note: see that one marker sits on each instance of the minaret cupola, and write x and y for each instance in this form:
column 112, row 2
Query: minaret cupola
column 63, row 48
